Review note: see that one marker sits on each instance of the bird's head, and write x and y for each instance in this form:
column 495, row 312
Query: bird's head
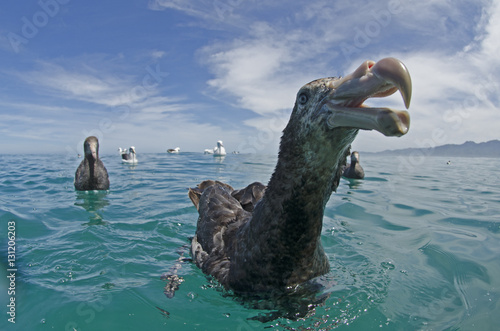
column 330, row 108
column 354, row 157
column 91, row 148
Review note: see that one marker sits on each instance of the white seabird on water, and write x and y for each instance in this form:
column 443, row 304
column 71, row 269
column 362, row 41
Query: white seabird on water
column 219, row 150
column 174, row 150
column 130, row 157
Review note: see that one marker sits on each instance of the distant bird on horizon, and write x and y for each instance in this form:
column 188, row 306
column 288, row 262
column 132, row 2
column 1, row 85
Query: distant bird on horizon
column 174, row 150
column 354, row 170
column 91, row 174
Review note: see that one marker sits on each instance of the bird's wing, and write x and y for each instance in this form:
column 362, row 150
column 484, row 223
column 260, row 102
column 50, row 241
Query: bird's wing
column 81, row 176
column 220, row 214
column 250, row 195
column 195, row 193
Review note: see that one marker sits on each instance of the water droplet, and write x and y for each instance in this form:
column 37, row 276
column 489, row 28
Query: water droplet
column 388, row 264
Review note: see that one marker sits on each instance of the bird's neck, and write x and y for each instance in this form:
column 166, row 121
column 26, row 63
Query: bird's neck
column 299, row 190
column 91, row 162
column 291, row 211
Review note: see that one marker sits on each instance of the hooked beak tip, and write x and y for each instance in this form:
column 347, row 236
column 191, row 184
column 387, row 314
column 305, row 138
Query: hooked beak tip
column 395, row 72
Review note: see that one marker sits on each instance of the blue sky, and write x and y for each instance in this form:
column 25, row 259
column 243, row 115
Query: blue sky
column 159, row 74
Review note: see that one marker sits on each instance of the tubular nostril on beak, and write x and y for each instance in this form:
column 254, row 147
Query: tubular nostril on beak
column 362, row 69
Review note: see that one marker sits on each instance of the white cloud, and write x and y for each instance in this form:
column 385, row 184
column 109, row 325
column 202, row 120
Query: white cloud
column 453, row 89
column 106, row 89
column 263, row 71
column 158, row 54
column 85, row 83
column 221, row 13
column 78, row 100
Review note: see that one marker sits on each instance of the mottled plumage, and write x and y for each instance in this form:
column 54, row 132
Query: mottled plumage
column 262, row 240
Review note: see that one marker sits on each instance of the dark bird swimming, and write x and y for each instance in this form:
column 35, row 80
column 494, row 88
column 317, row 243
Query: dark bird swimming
column 91, row 174
column 354, row 170
column 261, row 240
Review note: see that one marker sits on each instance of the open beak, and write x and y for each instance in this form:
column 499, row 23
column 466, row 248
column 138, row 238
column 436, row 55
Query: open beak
column 380, row 79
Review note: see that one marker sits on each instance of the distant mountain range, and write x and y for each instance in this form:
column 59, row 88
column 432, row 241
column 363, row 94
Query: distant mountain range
column 467, row 149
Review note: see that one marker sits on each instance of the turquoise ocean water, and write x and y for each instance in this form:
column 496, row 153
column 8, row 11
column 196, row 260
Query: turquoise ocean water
column 413, row 246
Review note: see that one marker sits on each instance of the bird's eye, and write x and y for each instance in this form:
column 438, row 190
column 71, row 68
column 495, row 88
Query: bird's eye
column 303, row 98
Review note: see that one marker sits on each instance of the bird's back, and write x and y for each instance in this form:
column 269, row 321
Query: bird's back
column 354, row 171
column 222, row 212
